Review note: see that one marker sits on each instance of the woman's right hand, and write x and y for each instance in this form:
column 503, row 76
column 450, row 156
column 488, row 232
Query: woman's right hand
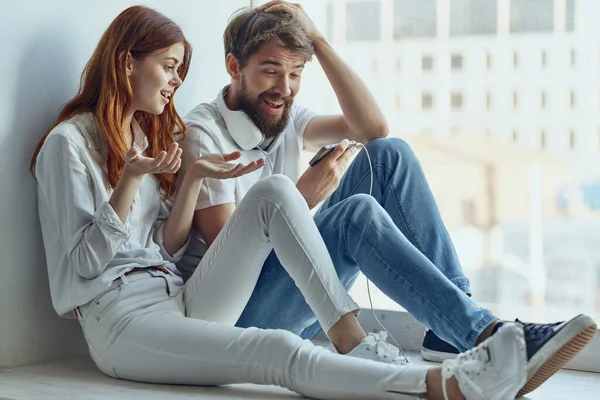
column 137, row 165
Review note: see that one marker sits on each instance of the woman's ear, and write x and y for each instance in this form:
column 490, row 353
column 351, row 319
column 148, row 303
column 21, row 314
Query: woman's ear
column 129, row 64
column 233, row 66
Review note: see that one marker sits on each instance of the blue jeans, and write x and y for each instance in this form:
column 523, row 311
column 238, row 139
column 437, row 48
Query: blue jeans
column 395, row 237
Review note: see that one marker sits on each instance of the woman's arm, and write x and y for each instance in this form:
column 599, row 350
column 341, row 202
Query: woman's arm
column 91, row 235
column 177, row 226
column 124, row 193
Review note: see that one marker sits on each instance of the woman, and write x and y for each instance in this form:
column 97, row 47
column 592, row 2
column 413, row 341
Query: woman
column 112, row 233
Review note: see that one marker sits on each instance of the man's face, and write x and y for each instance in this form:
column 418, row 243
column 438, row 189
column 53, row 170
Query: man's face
column 269, row 81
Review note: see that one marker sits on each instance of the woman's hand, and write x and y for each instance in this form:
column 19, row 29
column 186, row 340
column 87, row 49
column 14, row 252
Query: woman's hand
column 218, row 166
column 137, row 165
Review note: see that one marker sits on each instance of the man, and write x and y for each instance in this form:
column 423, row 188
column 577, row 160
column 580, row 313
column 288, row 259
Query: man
column 396, row 237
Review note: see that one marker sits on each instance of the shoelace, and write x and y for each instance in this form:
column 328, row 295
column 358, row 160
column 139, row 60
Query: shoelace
column 537, row 331
column 385, row 349
column 472, row 362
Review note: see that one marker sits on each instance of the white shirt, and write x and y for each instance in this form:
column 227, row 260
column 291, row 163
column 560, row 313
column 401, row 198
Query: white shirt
column 214, row 128
column 87, row 246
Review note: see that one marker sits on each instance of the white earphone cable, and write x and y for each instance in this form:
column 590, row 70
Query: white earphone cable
column 367, row 279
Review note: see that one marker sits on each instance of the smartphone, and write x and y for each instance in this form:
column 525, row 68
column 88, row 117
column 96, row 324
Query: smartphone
column 325, row 150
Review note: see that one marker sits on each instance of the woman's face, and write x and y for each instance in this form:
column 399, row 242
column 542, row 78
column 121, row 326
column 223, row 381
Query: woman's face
column 155, row 77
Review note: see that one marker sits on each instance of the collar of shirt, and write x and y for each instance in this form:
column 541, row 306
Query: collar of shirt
column 241, row 128
column 94, row 139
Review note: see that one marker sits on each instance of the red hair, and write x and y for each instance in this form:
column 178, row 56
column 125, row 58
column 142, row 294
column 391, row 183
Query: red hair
column 105, row 89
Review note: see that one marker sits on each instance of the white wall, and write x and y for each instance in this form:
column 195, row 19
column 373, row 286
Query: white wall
column 45, row 46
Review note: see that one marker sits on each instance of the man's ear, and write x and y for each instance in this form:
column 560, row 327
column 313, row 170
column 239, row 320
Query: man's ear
column 234, row 68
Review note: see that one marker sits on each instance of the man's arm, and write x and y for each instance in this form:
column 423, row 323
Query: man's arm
column 210, row 221
column 362, row 119
column 216, row 201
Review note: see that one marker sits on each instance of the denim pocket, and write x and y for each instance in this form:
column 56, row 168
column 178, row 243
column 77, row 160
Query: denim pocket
column 97, row 308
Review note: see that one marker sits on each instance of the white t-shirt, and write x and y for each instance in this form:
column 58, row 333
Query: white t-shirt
column 214, row 128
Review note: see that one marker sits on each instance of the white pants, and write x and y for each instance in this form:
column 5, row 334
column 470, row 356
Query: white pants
column 139, row 330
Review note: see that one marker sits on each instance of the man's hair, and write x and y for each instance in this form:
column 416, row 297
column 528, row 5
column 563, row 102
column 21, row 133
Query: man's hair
column 248, row 29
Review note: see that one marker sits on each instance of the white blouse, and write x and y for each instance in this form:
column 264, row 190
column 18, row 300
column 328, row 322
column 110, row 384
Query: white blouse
column 87, row 246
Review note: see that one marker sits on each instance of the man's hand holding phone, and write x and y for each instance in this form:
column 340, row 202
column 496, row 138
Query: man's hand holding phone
column 327, row 168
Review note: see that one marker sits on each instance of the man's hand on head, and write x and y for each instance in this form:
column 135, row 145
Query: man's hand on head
column 312, row 33
column 320, row 181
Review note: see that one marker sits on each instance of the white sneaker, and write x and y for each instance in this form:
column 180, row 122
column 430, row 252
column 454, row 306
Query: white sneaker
column 494, row 370
column 375, row 347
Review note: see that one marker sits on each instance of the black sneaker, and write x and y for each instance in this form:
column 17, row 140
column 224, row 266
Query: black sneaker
column 551, row 346
column 435, row 349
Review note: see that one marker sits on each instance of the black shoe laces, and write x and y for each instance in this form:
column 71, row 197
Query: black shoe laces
column 537, row 331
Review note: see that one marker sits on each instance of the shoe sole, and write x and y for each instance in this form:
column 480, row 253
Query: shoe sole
column 565, row 345
column 436, row 356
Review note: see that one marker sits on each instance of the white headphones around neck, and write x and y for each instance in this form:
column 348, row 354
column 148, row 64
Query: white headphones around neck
column 242, row 129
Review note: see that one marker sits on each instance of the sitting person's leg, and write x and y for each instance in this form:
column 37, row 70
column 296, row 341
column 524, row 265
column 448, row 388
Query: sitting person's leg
column 394, row 247
column 401, row 188
column 276, row 302
column 138, row 331
column 362, row 237
column 272, row 215
column 402, row 192
column 360, row 234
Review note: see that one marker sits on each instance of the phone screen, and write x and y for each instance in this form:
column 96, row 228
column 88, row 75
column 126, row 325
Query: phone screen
column 325, row 150
column 322, row 153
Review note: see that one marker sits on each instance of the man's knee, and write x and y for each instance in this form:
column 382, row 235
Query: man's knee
column 393, row 149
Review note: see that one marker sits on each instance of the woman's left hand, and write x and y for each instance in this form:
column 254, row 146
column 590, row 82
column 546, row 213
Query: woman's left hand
column 218, row 166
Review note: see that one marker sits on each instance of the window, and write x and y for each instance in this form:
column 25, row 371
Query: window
column 473, row 17
column 495, row 253
column 415, row 19
column 426, row 101
column 572, row 139
column 531, row 16
column 570, row 16
column 543, row 99
column 456, row 101
column 469, row 212
column 329, row 16
column 363, row 21
column 543, row 140
column 544, row 59
column 374, row 66
column 573, row 99
column 456, row 61
column 426, row 63
column 573, row 58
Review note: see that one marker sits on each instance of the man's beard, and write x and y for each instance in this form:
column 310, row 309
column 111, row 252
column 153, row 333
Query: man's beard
column 269, row 125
